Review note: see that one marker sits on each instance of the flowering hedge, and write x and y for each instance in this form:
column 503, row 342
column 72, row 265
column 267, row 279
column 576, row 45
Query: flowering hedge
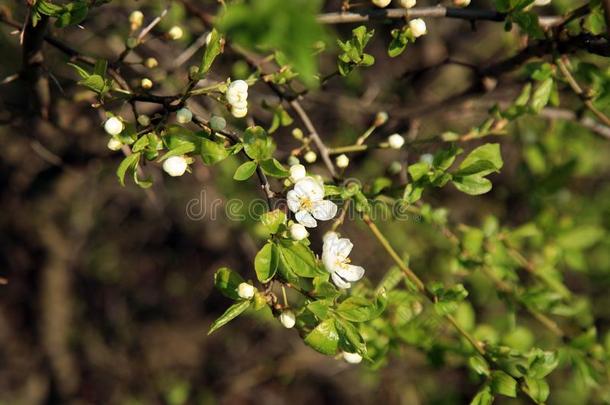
column 328, row 299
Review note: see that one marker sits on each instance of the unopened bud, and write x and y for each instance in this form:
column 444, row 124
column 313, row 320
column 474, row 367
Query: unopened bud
column 144, row 120
column 352, row 358
column 136, row 18
column 381, row 118
column 381, row 3
column 184, row 116
column 146, row 83
column 218, row 123
column 114, row 144
column 297, row 172
column 175, row 33
column 342, row 161
column 310, row 156
column 288, row 319
column 297, row 133
column 151, row 63
column 298, row 232
column 113, row 126
column 396, row 141
column 246, row 291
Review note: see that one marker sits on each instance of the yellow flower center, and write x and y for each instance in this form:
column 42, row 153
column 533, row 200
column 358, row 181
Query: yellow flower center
column 306, row 204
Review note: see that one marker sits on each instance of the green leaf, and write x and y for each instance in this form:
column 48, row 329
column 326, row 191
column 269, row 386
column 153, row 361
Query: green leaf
column 300, row 259
column 181, row 149
column 212, row 50
column 543, row 364
column 129, row 163
column 226, row 281
column 541, row 96
column 245, row 171
column 483, row 397
column 272, row 220
column 528, row 22
column 503, row 384
column 286, row 26
column 360, row 309
column 489, row 152
column 72, row 14
column 473, row 185
column 140, row 144
column 95, row 83
column 418, row 170
column 350, row 339
column 212, row 152
column 265, row 262
column 257, row 144
column 272, row 167
column 324, row 338
column 581, row 237
column 231, row 313
column 81, row 72
column 536, row 389
column 479, row 365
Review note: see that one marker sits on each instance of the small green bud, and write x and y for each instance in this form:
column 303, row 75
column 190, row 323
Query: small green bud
column 218, row 123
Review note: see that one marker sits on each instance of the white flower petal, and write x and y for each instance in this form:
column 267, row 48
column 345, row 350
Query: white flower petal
column 304, row 218
column 293, row 200
column 329, row 236
column 342, row 248
column 324, row 210
column 351, row 273
column 339, row 282
column 308, row 186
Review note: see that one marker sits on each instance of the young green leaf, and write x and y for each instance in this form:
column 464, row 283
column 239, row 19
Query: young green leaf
column 212, row 50
column 245, row 171
column 273, row 168
column 324, row 338
column 226, row 281
column 212, row 152
column 265, row 262
column 503, row 384
column 129, row 163
column 272, row 220
column 231, row 313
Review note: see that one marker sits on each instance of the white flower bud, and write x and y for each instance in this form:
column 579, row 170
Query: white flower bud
column 287, row 319
column 175, row 33
column 175, row 166
column 184, row 116
column 426, row 158
column 238, row 86
column 136, row 18
column 396, row 141
column 342, row 161
column 395, row 167
column 114, row 144
column 113, row 126
column 329, row 235
column 239, row 112
column 146, row 83
column 381, row 118
column 381, row 3
column 297, row 172
column 352, row 358
column 297, row 133
column 245, row 291
column 310, row 156
column 462, row 3
column 298, row 232
column 144, row 120
column 418, row 27
column 151, row 63
column 292, row 160
column 542, row 3
column 407, row 3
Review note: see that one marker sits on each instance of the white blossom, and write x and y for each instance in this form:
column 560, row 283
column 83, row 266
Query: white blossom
column 113, row 126
column 381, row 3
column 245, row 291
column 151, row 63
column 407, row 3
column 297, row 172
column 396, row 141
column 114, row 144
column 342, row 161
column 306, row 200
column 237, row 97
column 298, row 232
column 352, row 358
column 335, row 256
column 418, row 27
column 288, row 319
column 184, row 115
column 175, row 166
column 239, row 112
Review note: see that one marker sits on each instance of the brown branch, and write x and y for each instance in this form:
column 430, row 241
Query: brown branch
column 469, row 14
column 579, row 91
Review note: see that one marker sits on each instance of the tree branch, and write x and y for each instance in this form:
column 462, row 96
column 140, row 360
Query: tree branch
column 468, row 14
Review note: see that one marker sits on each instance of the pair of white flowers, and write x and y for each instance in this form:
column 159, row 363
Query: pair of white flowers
column 306, row 200
column 237, row 96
